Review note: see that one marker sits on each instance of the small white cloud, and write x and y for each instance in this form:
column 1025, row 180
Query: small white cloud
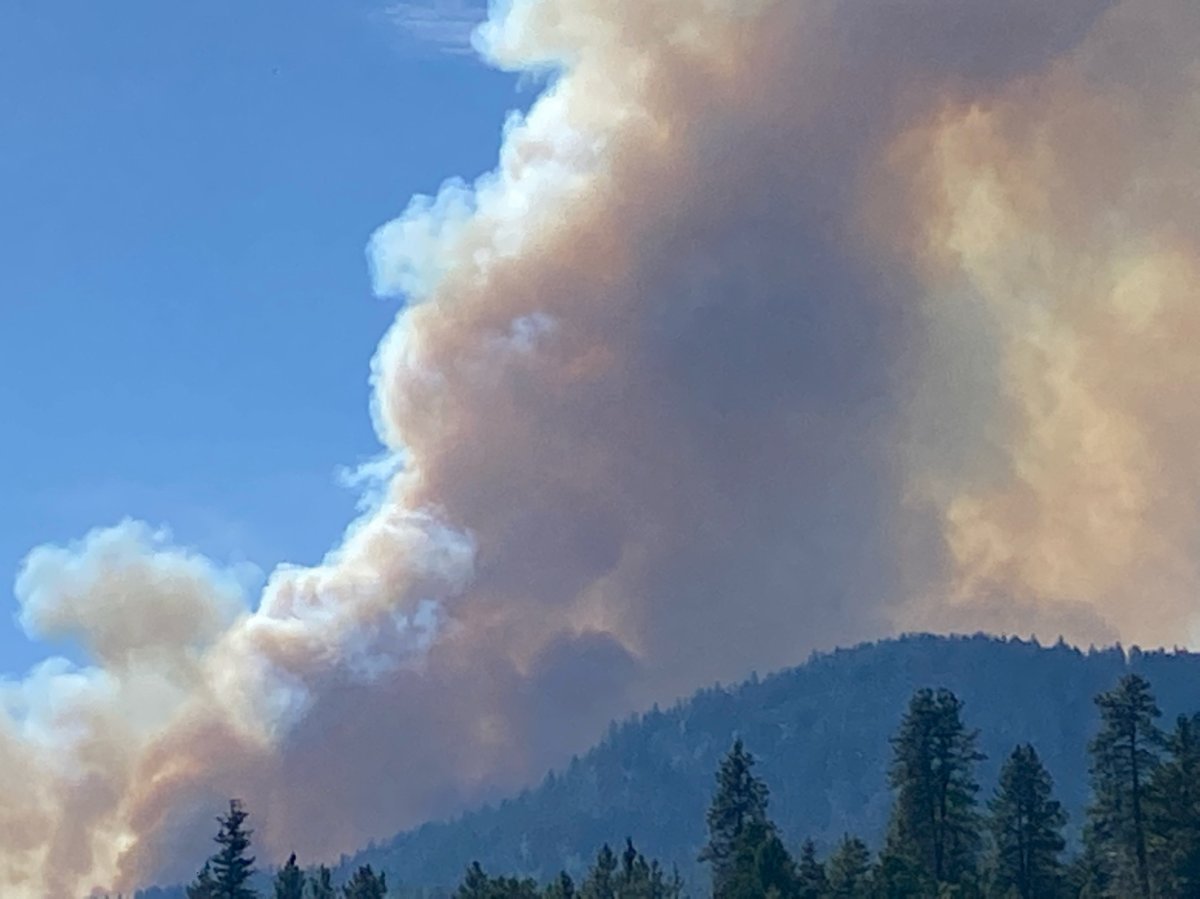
column 443, row 25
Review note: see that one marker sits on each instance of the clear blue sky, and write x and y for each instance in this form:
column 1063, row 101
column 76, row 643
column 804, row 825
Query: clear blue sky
column 186, row 322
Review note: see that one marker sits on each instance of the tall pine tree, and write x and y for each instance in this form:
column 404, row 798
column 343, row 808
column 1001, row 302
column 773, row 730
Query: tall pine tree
column 320, row 884
column 203, row 887
column 476, row 884
column 1125, row 757
column 562, row 887
column 226, row 875
column 601, row 880
column 811, row 882
column 365, row 884
column 935, row 828
column 289, row 881
column 737, row 818
column 1174, row 812
column 849, row 869
column 642, row 879
column 761, row 866
column 1026, row 824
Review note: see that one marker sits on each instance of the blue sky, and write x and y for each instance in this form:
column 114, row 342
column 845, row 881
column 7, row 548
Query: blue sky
column 186, row 191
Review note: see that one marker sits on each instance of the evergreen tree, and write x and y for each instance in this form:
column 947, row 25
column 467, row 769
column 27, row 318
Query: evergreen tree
column 674, row 885
column 1086, row 877
column 366, row 884
column 1125, row 756
column 811, row 882
column 227, row 873
column 320, row 884
column 898, row 875
column 634, row 879
column 563, row 887
column 476, row 884
column 232, row 868
column 601, row 880
column 289, row 881
column 203, row 887
column 641, row 879
column 935, row 829
column 1174, row 812
column 739, row 806
column 514, row 888
column 1026, row 825
column 761, row 867
column 849, row 869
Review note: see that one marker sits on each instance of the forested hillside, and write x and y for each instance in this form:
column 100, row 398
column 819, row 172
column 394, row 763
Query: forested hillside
column 821, row 733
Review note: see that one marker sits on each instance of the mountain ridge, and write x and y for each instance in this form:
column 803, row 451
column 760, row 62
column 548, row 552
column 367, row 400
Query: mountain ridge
column 640, row 782
column 820, row 731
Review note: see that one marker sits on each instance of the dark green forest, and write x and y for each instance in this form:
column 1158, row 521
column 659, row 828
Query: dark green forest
column 839, row 742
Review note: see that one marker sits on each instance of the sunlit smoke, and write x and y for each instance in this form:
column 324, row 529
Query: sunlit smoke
column 779, row 324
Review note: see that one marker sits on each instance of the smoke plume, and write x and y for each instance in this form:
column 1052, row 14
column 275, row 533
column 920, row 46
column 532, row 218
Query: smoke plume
column 779, row 323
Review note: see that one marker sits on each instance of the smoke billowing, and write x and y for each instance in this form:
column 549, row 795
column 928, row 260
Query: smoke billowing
column 780, row 323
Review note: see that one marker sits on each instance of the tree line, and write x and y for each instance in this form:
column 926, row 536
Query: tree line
column 1140, row 839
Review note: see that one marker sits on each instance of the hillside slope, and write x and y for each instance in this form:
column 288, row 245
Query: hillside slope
column 821, row 733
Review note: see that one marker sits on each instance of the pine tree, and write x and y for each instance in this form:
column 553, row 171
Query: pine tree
column 476, row 884
column 203, row 887
column 634, row 878
column 600, row 882
column 516, row 888
column 289, row 881
column 935, row 829
column 1125, row 756
column 739, row 804
column 811, row 881
column 639, row 878
column 1174, row 812
column 563, row 887
column 1026, row 824
column 320, row 884
column 231, row 867
column 762, row 866
column 849, row 869
column 898, row 875
column 365, row 884
column 1086, row 877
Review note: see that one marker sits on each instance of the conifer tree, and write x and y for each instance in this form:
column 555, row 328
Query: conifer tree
column 1125, row 756
column 811, row 882
column 232, row 868
column 761, row 867
column 849, row 869
column 1086, row 876
column 935, row 829
column 600, row 882
column 516, row 888
column 289, row 881
column 203, row 887
column 641, row 879
column 563, row 887
column 320, row 884
column 1026, row 824
column 634, row 879
column 476, row 884
column 366, row 884
column 227, row 873
column 1174, row 812
column 737, row 815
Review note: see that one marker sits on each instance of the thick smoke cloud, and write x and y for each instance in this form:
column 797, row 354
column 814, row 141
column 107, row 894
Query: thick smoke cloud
column 780, row 323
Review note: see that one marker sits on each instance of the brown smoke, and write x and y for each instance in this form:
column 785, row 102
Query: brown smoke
column 781, row 323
